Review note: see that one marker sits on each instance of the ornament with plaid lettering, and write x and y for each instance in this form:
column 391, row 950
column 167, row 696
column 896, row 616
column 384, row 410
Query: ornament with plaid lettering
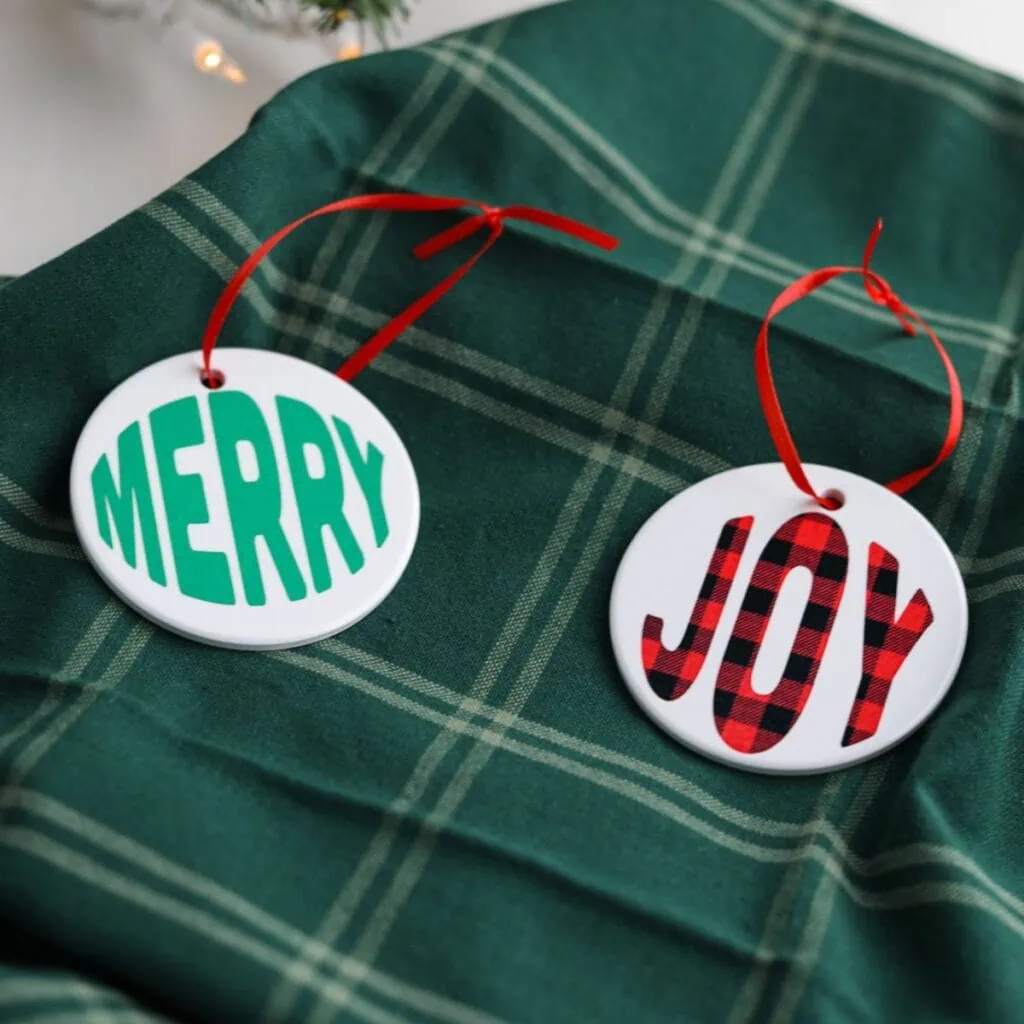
column 263, row 504
column 793, row 629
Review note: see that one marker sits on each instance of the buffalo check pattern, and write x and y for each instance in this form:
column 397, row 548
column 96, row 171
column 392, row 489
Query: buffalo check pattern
column 357, row 831
column 671, row 672
column 887, row 642
column 751, row 722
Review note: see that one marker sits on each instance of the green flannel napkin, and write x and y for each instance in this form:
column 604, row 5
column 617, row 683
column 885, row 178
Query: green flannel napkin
column 454, row 811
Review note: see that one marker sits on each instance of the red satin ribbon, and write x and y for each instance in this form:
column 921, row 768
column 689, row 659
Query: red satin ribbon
column 880, row 293
column 491, row 217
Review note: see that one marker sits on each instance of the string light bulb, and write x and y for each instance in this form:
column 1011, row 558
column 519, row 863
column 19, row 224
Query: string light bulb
column 209, row 57
column 349, row 51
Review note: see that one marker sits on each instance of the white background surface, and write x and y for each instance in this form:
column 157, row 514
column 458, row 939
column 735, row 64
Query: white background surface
column 97, row 117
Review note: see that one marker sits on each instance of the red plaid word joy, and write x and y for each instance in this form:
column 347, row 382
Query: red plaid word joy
column 887, row 642
column 750, row 721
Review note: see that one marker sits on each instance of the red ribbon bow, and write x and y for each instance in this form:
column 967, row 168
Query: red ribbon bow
column 491, row 217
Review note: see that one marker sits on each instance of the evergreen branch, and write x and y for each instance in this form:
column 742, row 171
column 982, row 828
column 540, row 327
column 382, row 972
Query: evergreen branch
column 288, row 17
column 380, row 15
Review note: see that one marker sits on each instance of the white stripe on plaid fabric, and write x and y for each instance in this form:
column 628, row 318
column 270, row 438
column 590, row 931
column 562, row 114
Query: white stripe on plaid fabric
column 115, row 671
column 14, row 538
column 369, row 945
column 749, row 995
column 979, row 566
column 83, row 653
column 771, row 161
column 974, row 420
column 19, row 499
column 824, row 896
column 513, row 630
column 992, row 369
column 985, row 110
column 343, row 225
column 759, row 262
column 235, row 907
column 1008, row 585
column 802, row 964
column 96, row 1002
column 996, row 462
column 888, row 41
column 705, row 226
column 714, row 282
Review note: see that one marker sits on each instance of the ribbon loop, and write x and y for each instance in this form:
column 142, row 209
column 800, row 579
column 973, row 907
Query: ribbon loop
column 880, row 292
column 492, row 217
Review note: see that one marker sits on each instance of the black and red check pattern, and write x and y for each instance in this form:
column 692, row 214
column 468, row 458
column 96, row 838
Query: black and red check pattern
column 672, row 672
column 886, row 642
column 751, row 722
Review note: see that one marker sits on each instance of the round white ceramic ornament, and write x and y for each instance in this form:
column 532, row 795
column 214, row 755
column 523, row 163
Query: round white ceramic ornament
column 767, row 633
column 270, row 512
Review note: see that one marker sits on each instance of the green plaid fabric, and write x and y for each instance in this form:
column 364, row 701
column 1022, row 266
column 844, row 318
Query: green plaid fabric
column 454, row 812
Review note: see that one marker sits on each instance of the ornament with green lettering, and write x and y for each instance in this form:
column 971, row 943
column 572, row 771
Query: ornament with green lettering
column 270, row 512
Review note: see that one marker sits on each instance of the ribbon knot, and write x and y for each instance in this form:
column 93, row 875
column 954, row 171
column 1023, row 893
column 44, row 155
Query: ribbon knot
column 492, row 217
column 879, row 290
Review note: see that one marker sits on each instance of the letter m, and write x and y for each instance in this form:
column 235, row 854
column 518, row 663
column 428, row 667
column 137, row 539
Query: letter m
column 118, row 507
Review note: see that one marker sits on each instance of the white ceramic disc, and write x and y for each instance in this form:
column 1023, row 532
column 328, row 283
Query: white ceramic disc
column 764, row 632
column 271, row 512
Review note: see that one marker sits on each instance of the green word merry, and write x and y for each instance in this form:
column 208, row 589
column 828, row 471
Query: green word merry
column 253, row 499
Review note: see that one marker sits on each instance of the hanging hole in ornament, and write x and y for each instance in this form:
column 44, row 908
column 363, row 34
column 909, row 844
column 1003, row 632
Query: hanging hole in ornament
column 833, row 499
column 212, row 379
